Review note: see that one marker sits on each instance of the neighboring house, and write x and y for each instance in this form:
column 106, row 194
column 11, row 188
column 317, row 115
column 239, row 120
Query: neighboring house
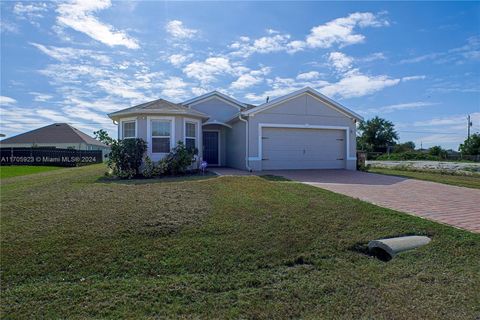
column 57, row 135
column 301, row 130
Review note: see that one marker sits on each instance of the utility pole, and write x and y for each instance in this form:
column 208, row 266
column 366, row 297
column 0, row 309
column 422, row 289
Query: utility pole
column 469, row 124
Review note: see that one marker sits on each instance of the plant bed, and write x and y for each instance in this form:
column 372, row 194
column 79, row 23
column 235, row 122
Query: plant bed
column 141, row 179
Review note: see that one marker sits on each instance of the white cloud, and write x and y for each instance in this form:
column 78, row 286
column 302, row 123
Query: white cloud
column 177, row 30
column 52, row 115
column 373, row 57
column 250, row 79
column 122, row 88
column 341, row 31
column 421, row 58
column 295, row 46
column 79, row 15
column 198, row 91
column 174, row 88
column 178, row 60
column 340, row 61
column 41, row 97
column 245, row 81
column 355, row 84
column 4, row 100
column 66, row 54
column 6, row 26
column 311, row 75
column 400, row 106
column 410, row 78
column 454, row 120
column 459, row 55
column 272, row 43
column 207, row 71
column 281, row 86
column 31, row 10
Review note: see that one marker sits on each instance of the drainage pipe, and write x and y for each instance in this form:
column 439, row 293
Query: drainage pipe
column 387, row 248
column 247, row 164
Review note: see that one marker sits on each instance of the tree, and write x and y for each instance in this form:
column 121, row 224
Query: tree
column 103, row 136
column 404, row 147
column 438, row 151
column 471, row 146
column 376, row 133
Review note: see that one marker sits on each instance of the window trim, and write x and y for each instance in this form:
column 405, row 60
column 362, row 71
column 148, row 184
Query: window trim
column 149, row 134
column 197, row 131
column 125, row 120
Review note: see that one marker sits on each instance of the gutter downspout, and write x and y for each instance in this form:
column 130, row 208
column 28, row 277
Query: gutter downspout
column 246, row 142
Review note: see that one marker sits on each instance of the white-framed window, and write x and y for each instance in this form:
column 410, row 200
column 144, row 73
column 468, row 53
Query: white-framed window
column 161, row 135
column 129, row 129
column 191, row 135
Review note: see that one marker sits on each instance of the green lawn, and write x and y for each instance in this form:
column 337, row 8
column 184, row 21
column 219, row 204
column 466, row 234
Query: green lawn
column 74, row 246
column 13, row 171
column 456, row 180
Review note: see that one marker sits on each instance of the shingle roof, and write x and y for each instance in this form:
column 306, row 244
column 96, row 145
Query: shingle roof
column 54, row 133
column 159, row 106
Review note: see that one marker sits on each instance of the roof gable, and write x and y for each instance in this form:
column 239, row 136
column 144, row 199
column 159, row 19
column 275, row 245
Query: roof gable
column 327, row 101
column 158, row 106
column 215, row 94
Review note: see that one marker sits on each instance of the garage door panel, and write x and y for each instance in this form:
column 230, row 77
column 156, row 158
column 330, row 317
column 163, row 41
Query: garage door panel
column 293, row 148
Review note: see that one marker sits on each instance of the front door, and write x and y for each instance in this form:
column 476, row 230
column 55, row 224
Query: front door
column 210, row 147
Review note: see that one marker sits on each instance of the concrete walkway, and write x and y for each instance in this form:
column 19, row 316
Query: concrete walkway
column 456, row 206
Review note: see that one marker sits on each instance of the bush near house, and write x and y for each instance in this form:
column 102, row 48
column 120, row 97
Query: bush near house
column 128, row 160
column 178, row 161
column 126, row 157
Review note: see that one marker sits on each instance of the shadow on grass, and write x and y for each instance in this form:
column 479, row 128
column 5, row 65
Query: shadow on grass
column 137, row 181
column 271, row 177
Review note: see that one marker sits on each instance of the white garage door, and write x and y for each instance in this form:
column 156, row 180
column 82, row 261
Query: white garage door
column 292, row 148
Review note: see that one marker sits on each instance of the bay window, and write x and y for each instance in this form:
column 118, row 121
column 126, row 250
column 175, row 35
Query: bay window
column 190, row 135
column 129, row 129
column 161, row 135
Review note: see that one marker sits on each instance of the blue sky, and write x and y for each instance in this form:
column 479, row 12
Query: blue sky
column 416, row 64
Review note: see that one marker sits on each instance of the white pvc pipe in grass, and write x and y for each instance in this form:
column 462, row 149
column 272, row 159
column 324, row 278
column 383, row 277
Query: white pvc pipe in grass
column 386, row 249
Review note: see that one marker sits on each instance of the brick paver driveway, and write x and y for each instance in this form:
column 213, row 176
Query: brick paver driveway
column 456, row 206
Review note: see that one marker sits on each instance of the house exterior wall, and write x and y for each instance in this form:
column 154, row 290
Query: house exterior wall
column 236, row 146
column 301, row 110
column 218, row 109
column 178, row 133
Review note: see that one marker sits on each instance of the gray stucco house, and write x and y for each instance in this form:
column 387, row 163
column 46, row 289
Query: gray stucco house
column 301, row 130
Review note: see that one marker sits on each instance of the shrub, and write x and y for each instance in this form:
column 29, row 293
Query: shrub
column 161, row 168
column 179, row 159
column 126, row 157
column 412, row 155
column 404, row 147
column 148, row 167
column 438, row 151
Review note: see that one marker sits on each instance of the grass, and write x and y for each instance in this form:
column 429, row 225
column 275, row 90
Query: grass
column 14, row 171
column 221, row 247
column 469, row 181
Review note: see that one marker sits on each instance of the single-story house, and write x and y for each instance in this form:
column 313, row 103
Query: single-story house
column 301, row 130
column 57, row 135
